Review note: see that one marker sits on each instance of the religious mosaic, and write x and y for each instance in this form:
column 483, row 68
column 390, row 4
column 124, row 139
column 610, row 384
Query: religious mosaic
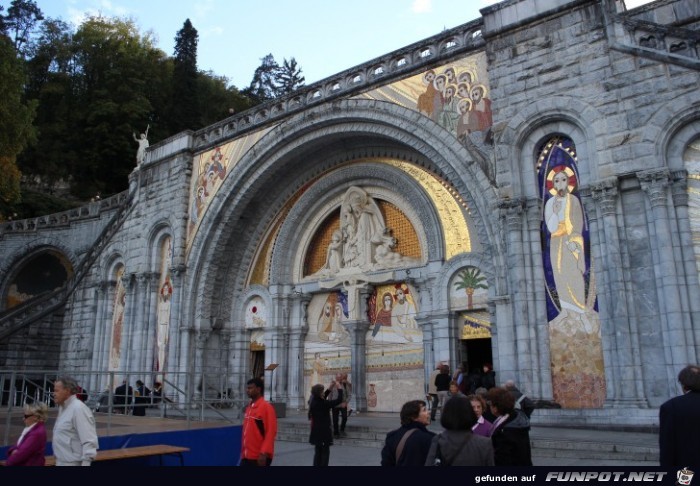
column 456, row 96
column 578, row 378
column 468, row 289
column 209, row 171
column 118, row 305
column 691, row 158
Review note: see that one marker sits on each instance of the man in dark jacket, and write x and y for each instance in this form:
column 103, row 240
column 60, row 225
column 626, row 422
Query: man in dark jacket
column 679, row 424
column 123, row 397
column 409, row 444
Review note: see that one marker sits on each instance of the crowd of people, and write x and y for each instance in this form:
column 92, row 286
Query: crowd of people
column 481, row 426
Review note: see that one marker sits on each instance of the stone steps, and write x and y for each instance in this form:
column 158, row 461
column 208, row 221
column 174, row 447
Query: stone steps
column 544, row 444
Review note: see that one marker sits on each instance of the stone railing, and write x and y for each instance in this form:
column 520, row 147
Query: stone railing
column 16, row 318
column 65, row 218
column 372, row 74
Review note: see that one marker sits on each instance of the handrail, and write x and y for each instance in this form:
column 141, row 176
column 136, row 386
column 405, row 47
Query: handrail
column 18, row 317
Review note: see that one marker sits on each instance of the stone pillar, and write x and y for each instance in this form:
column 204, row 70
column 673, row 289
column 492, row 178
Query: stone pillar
column 537, row 310
column 625, row 357
column 655, row 184
column 225, row 353
column 501, row 315
column 110, row 288
column 178, row 331
column 125, row 353
column 680, row 197
column 426, row 327
column 138, row 328
column 102, row 293
column 201, row 340
column 150, row 335
column 275, row 345
column 299, row 329
column 358, row 360
column 512, row 214
column 239, row 361
column 609, row 342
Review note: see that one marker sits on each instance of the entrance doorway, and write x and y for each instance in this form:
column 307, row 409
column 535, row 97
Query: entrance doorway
column 257, row 363
column 476, row 352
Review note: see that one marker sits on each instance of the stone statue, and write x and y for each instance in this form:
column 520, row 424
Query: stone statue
column 364, row 230
column 143, row 145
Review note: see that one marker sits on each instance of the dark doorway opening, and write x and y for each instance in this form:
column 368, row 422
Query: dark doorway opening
column 476, row 352
column 257, row 363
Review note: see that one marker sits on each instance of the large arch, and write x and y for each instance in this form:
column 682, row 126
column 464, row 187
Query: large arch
column 307, row 145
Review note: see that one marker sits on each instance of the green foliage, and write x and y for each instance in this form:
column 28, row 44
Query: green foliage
column 470, row 278
column 88, row 90
column 288, row 77
column 185, row 110
column 21, row 20
column 36, row 203
column 263, row 86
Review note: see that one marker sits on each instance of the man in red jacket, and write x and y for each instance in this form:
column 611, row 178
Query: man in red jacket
column 259, row 428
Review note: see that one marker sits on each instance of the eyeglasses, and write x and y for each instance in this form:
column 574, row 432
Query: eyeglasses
column 27, row 416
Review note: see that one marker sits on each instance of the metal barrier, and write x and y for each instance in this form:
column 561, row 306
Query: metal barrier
column 183, row 396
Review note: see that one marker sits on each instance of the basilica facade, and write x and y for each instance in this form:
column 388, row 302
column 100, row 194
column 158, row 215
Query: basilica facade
column 520, row 191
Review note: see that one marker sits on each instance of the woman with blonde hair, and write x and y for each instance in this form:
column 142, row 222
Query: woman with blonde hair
column 31, row 445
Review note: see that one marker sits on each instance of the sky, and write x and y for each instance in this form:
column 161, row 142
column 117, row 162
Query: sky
column 324, row 36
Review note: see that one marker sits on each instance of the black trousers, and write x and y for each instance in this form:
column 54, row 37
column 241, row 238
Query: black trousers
column 343, row 412
column 322, row 454
column 253, row 462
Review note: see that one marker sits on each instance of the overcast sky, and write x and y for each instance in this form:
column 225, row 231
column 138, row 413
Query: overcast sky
column 325, row 36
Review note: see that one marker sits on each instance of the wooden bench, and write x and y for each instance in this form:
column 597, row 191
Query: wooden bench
column 159, row 450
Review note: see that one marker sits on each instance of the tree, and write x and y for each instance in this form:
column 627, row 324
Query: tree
column 288, row 77
column 16, row 128
column 217, row 99
column 470, row 279
column 20, row 22
column 185, row 110
column 263, row 87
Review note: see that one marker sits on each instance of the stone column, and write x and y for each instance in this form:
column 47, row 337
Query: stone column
column 151, row 328
column 655, row 184
column 680, row 197
column 110, row 289
column 125, row 353
column 358, row 360
column 609, row 343
column 537, row 310
column 512, row 214
column 201, row 340
column 138, row 328
column 178, row 331
column 239, row 361
column 275, row 351
column 426, row 327
column 299, row 329
column 625, row 357
column 225, row 354
column 101, row 292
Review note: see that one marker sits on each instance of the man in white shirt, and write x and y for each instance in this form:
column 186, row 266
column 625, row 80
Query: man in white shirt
column 74, row 434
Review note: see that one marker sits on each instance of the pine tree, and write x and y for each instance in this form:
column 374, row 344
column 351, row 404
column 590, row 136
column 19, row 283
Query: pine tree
column 263, row 87
column 288, row 77
column 21, row 20
column 185, row 111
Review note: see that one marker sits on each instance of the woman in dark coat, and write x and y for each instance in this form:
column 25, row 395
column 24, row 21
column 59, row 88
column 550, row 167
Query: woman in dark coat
column 320, row 414
column 510, row 433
